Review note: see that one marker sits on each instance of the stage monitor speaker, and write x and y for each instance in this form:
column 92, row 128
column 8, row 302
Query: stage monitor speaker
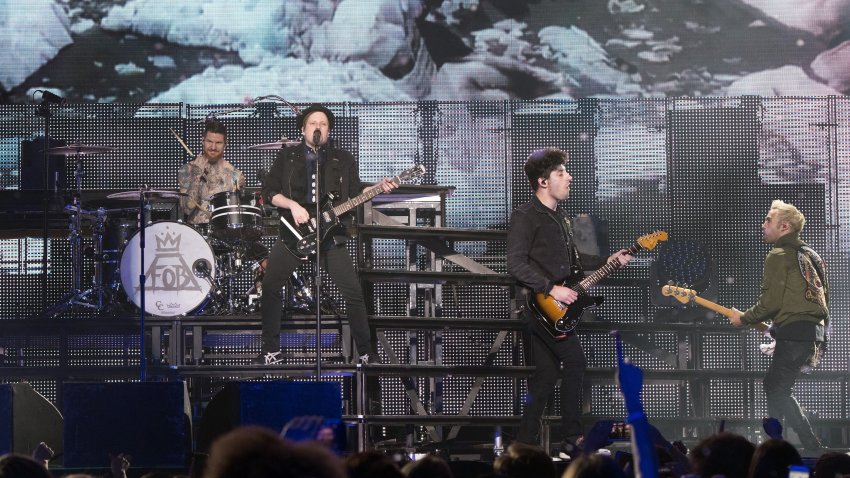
column 27, row 418
column 149, row 421
column 268, row 404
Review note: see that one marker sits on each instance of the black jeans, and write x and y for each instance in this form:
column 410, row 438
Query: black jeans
column 337, row 262
column 783, row 371
column 547, row 356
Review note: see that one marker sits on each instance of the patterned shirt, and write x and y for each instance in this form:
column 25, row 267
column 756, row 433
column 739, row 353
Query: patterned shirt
column 201, row 179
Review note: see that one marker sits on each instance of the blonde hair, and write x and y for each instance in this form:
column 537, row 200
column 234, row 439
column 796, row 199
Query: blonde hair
column 789, row 214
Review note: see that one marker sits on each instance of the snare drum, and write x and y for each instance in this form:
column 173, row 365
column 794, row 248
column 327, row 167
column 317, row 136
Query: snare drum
column 179, row 269
column 235, row 217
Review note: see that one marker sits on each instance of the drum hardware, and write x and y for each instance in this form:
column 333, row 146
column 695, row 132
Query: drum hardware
column 76, row 296
column 274, row 145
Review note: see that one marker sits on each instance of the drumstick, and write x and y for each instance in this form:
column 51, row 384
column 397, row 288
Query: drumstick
column 181, row 142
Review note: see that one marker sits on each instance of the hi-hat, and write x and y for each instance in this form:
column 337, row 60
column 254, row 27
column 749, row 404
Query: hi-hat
column 77, row 148
column 274, row 146
column 149, row 193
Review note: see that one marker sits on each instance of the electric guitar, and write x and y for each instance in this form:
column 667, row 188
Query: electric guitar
column 558, row 318
column 685, row 296
column 301, row 239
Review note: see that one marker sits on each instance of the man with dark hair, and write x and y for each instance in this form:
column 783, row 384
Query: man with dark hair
column 541, row 254
column 209, row 173
column 257, row 452
column 722, row 454
column 794, row 296
column 291, row 184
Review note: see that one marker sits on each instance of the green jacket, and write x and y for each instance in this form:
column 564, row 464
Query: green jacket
column 783, row 289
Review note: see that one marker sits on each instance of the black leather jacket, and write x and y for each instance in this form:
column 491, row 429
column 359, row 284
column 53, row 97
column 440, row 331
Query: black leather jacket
column 288, row 175
column 541, row 253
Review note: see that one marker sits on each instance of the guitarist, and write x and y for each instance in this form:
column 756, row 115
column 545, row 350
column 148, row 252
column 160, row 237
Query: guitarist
column 542, row 253
column 794, row 295
column 289, row 185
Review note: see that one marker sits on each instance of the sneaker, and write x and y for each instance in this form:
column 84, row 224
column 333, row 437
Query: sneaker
column 369, row 359
column 269, row 358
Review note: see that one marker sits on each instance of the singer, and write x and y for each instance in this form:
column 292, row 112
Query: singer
column 209, row 173
column 290, row 185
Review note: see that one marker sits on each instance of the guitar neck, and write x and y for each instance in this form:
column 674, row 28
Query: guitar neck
column 602, row 272
column 725, row 311
column 366, row 195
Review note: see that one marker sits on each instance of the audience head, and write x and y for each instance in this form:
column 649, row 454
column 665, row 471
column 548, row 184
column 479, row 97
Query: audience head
column 725, row 454
column 594, row 466
column 772, row 459
column 524, row 461
column 833, row 464
column 256, row 452
column 19, row 466
column 371, row 464
column 429, row 466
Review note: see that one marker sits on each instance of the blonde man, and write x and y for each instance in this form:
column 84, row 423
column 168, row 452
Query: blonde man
column 794, row 296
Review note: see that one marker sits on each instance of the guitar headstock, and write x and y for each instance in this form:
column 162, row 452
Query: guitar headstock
column 652, row 239
column 410, row 174
column 681, row 294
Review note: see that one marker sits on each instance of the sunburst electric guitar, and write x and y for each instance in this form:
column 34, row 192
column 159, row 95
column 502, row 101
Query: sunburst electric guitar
column 558, row 318
column 685, row 296
column 302, row 240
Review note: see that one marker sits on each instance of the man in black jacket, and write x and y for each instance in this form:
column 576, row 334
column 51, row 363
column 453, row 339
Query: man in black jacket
column 541, row 254
column 289, row 185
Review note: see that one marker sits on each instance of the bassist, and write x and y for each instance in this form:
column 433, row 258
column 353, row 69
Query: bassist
column 541, row 253
column 289, row 185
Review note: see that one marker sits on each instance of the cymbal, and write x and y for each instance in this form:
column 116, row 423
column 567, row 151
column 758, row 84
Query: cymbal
column 149, row 193
column 77, row 148
column 274, row 146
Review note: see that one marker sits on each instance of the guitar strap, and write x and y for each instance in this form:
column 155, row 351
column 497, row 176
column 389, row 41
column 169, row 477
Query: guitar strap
column 567, row 232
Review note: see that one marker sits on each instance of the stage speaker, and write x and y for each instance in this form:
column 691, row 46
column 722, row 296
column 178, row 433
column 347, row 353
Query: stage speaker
column 27, row 418
column 268, row 404
column 149, row 421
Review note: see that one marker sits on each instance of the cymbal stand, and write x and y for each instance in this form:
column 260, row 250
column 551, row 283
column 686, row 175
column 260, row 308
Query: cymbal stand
column 74, row 297
column 97, row 239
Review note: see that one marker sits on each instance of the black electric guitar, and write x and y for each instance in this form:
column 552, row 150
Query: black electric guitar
column 301, row 239
column 558, row 318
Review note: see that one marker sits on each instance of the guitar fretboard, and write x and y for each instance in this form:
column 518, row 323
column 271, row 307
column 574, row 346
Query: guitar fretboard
column 366, row 195
column 591, row 280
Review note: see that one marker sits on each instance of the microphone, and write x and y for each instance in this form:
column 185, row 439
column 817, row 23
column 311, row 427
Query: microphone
column 317, row 136
column 49, row 97
column 201, row 268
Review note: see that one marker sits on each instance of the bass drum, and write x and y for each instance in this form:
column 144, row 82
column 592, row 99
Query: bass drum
column 179, row 269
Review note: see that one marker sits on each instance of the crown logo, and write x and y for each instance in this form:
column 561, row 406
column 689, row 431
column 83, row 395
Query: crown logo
column 167, row 242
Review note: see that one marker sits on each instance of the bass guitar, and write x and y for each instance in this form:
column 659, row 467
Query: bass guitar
column 558, row 318
column 302, row 240
column 685, row 296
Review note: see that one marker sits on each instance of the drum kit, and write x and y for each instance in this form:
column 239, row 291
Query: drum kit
column 188, row 269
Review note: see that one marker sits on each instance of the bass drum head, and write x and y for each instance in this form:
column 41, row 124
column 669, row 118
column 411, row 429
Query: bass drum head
column 179, row 269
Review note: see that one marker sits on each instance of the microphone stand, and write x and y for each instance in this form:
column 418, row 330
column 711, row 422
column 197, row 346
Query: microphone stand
column 318, row 271
column 142, row 354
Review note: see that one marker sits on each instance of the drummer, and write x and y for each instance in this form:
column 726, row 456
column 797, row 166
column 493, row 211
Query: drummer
column 209, row 173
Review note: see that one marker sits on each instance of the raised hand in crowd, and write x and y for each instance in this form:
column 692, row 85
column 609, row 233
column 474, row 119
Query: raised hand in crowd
column 772, row 427
column 630, row 381
column 43, row 454
column 119, row 464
